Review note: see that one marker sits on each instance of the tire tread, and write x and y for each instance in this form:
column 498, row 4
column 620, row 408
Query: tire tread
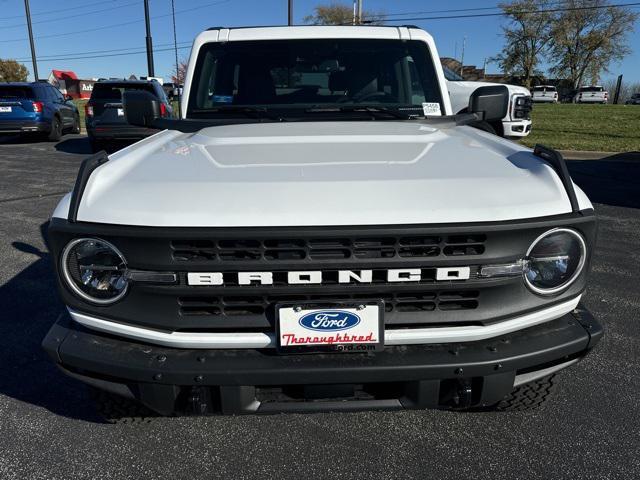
column 529, row 396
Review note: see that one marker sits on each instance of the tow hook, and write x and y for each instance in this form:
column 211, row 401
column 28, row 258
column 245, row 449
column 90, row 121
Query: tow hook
column 462, row 397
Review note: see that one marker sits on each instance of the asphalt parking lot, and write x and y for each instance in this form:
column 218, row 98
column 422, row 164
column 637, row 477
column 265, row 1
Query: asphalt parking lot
column 590, row 429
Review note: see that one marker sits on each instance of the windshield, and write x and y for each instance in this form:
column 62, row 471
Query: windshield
column 544, row 89
column 591, row 89
column 11, row 91
column 451, row 75
column 300, row 74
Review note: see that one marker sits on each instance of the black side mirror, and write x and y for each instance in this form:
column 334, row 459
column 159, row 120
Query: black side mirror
column 141, row 108
column 490, row 103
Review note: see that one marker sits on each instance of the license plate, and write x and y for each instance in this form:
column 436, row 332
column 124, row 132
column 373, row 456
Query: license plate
column 121, row 112
column 5, row 109
column 337, row 328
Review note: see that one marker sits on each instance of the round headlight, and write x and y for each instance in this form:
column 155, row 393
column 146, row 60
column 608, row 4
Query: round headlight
column 95, row 270
column 554, row 261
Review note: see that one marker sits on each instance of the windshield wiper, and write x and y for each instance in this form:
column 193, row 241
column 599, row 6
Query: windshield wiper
column 248, row 111
column 376, row 111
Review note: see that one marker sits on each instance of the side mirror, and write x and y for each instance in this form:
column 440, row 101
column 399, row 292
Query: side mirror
column 490, row 103
column 141, row 108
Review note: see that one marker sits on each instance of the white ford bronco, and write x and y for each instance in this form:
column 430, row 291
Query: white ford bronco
column 320, row 232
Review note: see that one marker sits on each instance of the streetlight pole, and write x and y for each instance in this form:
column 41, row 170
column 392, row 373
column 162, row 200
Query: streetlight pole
column 33, row 48
column 290, row 22
column 149, row 42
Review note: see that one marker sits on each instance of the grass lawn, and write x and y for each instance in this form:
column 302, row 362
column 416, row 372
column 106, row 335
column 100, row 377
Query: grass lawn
column 605, row 128
column 80, row 104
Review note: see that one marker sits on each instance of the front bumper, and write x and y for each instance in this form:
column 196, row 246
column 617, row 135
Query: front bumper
column 448, row 375
column 516, row 128
column 26, row 126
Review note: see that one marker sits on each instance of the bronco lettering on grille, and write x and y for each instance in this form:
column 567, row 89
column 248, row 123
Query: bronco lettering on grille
column 314, row 277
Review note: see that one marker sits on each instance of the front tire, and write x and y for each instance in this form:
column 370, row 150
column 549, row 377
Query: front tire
column 529, row 396
column 56, row 130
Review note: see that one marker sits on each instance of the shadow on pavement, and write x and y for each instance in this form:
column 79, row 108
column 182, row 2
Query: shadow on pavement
column 612, row 181
column 30, row 306
column 74, row 145
column 22, row 139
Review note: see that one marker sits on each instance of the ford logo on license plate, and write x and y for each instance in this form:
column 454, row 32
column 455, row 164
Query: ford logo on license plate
column 329, row 321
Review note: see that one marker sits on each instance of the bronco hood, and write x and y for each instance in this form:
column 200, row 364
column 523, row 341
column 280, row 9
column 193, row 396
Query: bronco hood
column 321, row 173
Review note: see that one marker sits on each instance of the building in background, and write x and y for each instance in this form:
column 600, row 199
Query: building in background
column 69, row 83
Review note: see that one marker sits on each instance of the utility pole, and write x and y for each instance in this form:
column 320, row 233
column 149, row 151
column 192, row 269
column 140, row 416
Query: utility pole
column 464, row 42
column 290, row 12
column 149, row 43
column 33, row 48
column 616, row 95
column 359, row 12
column 355, row 11
column 175, row 50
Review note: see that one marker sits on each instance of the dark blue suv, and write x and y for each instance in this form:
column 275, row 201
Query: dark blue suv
column 37, row 107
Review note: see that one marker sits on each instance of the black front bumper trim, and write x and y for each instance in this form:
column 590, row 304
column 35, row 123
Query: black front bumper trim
column 419, row 374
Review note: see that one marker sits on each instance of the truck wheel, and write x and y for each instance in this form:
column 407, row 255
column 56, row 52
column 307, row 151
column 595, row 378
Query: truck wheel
column 528, row 396
column 116, row 409
column 56, row 130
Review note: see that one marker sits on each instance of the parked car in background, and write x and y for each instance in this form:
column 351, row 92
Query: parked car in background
column 517, row 122
column 634, row 99
column 544, row 94
column 591, row 94
column 37, row 108
column 172, row 90
column 104, row 116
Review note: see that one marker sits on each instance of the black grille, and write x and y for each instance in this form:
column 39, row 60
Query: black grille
column 227, row 305
column 326, row 249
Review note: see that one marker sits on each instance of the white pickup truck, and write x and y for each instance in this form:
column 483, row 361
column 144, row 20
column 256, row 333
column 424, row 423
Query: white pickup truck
column 319, row 232
column 517, row 121
column 544, row 94
column 591, row 94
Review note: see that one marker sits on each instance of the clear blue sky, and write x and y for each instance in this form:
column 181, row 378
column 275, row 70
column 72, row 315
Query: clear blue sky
column 118, row 25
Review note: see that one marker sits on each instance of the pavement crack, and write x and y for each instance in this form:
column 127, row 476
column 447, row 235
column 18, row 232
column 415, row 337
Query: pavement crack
column 30, row 197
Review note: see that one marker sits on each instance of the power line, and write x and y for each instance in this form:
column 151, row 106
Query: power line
column 21, row 25
column 57, row 10
column 524, row 12
column 73, row 54
column 112, row 54
column 454, row 10
column 104, row 27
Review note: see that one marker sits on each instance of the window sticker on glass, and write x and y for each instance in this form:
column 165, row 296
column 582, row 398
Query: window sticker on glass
column 222, row 98
column 431, row 109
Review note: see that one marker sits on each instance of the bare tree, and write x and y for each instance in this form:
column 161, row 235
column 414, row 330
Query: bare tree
column 336, row 13
column 12, row 71
column 626, row 89
column 527, row 37
column 586, row 39
column 178, row 75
